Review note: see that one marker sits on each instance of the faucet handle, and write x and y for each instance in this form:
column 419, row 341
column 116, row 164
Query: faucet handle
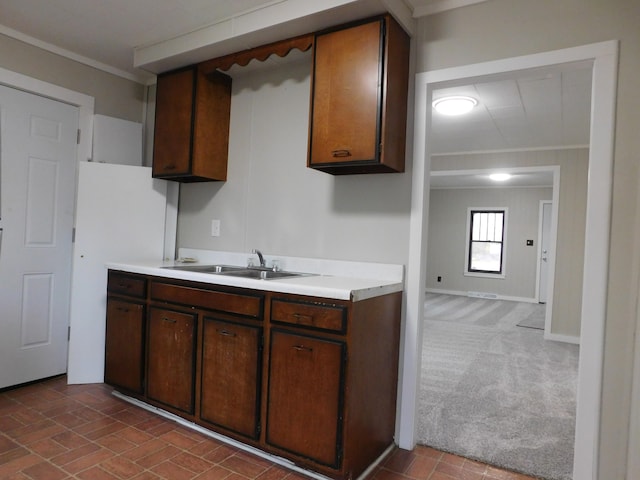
column 275, row 265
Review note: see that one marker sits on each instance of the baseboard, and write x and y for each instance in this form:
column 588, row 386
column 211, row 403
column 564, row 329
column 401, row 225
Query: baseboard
column 556, row 337
column 486, row 295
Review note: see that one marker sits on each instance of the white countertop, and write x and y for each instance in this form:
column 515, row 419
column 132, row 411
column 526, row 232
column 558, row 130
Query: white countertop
column 347, row 280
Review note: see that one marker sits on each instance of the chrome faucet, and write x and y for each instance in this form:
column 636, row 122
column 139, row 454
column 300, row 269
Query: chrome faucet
column 260, row 257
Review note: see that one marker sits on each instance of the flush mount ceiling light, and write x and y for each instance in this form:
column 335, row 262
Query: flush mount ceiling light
column 454, row 105
column 499, row 177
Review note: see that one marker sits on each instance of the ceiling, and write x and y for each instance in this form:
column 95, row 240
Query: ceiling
column 480, row 179
column 109, row 32
column 537, row 110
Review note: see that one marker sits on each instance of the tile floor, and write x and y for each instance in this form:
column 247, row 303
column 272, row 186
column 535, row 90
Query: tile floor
column 55, row 431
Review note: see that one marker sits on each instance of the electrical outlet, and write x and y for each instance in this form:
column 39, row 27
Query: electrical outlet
column 215, row 228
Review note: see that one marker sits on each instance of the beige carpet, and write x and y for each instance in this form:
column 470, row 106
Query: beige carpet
column 496, row 392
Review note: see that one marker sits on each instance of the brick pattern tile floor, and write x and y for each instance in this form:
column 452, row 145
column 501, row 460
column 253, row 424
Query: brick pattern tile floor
column 54, row 431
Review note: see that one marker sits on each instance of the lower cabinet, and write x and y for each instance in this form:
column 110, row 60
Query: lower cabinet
column 124, row 345
column 231, row 376
column 306, row 390
column 171, row 358
column 309, row 379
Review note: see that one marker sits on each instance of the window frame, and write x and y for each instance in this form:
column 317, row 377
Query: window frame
column 468, row 242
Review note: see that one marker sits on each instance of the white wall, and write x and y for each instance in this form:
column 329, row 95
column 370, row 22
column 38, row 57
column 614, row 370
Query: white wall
column 448, row 236
column 273, row 202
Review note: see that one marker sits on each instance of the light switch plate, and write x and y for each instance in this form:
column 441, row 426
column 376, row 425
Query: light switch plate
column 215, row 228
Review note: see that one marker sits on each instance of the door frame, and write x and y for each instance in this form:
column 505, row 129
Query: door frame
column 85, row 104
column 604, row 59
column 539, row 250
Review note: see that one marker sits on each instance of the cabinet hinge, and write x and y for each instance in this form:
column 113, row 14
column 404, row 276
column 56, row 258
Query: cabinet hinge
column 78, row 138
column 73, row 235
column 68, row 333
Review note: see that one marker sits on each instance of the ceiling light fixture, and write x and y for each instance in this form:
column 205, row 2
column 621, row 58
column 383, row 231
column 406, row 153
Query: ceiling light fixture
column 454, row 105
column 499, row 177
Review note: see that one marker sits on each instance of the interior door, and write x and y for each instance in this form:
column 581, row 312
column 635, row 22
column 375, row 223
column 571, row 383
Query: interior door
column 545, row 245
column 38, row 138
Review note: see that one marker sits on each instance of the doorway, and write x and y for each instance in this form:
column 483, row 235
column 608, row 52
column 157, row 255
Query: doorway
column 38, row 140
column 34, row 335
column 604, row 58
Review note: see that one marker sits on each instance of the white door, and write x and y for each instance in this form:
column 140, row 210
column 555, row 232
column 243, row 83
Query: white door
column 38, row 139
column 545, row 245
column 120, row 218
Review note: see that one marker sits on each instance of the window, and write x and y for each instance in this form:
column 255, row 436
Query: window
column 485, row 248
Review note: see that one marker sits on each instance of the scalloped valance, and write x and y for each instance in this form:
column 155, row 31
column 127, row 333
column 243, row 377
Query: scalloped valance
column 261, row 53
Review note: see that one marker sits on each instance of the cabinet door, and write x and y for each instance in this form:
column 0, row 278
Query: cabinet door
column 305, row 398
column 171, row 358
column 191, row 138
column 124, row 345
column 174, row 123
column 346, row 95
column 231, row 369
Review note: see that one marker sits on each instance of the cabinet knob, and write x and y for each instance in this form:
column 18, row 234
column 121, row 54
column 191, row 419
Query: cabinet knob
column 170, row 320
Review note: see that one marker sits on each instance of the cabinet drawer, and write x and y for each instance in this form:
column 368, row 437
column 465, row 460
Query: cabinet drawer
column 322, row 316
column 124, row 284
column 235, row 303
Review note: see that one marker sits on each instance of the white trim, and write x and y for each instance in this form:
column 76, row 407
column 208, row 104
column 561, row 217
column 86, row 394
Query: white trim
column 551, row 280
column 541, row 205
column 604, row 56
column 556, row 337
column 441, row 6
column 85, row 104
column 489, row 296
column 510, row 150
column 9, row 32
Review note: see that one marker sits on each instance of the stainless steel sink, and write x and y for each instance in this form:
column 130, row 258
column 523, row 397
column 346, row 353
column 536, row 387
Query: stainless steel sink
column 258, row 273
column 207, row 268
column 263, row 274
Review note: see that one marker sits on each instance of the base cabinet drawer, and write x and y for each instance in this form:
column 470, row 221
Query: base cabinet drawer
column 171, row 358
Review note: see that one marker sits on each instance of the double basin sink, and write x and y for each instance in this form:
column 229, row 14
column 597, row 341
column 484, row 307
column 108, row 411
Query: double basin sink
column 257, row 273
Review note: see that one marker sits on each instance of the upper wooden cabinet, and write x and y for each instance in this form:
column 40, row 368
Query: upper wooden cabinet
column 359, row 98
column 191, row 137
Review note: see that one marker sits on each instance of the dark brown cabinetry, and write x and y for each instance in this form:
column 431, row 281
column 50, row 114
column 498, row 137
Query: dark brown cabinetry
column 124, row 336
column 231, row 369
column 304, row 412
column 171, row 358
column 359, row 98
column 310, row 379
column 191, row 137
column 205, row 353
column 332, row 381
